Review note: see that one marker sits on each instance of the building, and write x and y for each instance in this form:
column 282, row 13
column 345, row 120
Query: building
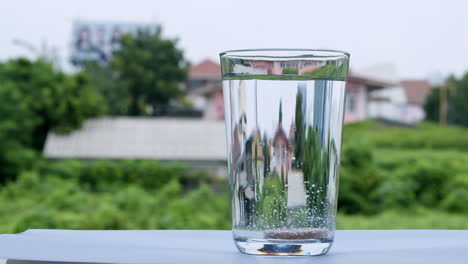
column 205, row 90
column 402, row 103
column 358, row 96
column 390, row 104
column 199, row 143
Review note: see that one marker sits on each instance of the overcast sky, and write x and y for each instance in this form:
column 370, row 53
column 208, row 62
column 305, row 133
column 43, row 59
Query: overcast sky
column 418, row 37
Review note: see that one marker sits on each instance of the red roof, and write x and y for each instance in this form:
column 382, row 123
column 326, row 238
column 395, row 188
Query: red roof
column 416, row 90
column 206, row 69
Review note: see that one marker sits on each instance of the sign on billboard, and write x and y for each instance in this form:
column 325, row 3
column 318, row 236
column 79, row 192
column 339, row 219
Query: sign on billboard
column 96, row 41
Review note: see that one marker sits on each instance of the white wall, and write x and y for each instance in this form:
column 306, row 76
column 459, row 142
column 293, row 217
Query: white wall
column 396, row 107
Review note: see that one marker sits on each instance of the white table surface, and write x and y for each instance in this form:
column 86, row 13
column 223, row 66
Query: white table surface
column 200, row 246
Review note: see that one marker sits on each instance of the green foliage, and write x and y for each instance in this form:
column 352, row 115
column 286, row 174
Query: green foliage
column 423, row 136
column 399, row 168
column 432, row 105
column 36, row 99
column 106, row 175
column 273, row 208
column 457, row 98
column 290, row 71
column 420, row 180
column 107, row 82
column 457, row 198
column 17, row 117
column 328, row 70
column 338, row 70
column 66, row 196
column 16, row 128
column 55, row 100
column 144, row 77
column 360, row 181
column 315, row 164
column 416, row 218
column 358, row 131
column 151, row 69
column 458, row 101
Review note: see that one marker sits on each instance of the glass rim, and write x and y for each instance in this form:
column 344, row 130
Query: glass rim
column 251, row 53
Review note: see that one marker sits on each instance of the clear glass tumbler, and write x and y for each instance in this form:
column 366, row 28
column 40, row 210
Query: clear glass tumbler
column 284, row 119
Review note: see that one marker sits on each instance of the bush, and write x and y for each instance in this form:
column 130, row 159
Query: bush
column 403, row 219
column 420, row 178
column 457, row 198
column 359, row 181
column 56, row 201
column 400, row 168
column 426, row 135
column 107, row 175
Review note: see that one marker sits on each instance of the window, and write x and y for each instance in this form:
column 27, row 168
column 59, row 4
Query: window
column 351, row 102
column 288, row 65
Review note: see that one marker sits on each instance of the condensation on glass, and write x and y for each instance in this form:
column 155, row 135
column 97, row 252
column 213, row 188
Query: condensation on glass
column 284, row 120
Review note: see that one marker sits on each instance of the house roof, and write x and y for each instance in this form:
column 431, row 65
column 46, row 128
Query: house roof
column 141, row 138
column 206, row 69
column 280, row 135
column 416, row 90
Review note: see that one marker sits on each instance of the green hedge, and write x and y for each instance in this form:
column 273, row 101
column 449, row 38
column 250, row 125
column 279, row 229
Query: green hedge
column 372, row 182
column 416, row 218
column 106, row 175
column 52, row 201
column 423, row 136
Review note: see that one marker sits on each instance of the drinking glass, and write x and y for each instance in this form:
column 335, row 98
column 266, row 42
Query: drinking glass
column 284, row 120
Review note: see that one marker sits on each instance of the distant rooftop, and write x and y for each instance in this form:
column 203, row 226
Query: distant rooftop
column 206, row 69
column 141, row 138
column 416, row 90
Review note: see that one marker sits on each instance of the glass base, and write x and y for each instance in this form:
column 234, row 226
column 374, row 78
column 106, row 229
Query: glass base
column 308, row 247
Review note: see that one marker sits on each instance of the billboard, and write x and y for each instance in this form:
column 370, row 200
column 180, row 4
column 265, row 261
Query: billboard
column 96, row 41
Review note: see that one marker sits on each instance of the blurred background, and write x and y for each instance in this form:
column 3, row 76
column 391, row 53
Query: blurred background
column 111, row 112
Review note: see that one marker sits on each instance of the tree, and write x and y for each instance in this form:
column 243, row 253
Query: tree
column 458, row 101
column 106, row 81
column 432, row 105
column 16, row 126
column 151, row 68
column 35, row 100
column 457, row 97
